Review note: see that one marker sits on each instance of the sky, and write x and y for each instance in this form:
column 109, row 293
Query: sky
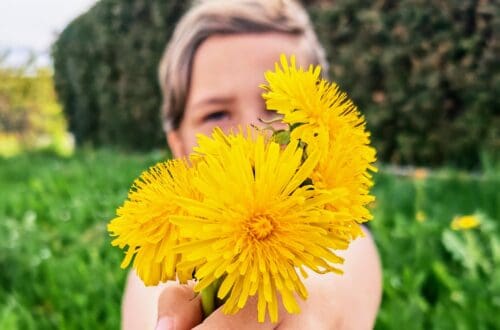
column 33, row 25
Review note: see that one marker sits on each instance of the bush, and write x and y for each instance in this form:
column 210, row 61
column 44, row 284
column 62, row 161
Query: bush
column 30, row 116
column 423, row 72
column 106, row 62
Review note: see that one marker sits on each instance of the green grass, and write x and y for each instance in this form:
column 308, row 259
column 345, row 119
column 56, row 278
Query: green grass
column 434, row 277
column 59, row 271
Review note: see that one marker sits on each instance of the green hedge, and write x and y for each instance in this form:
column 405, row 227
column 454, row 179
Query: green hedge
column 105, row 71
column 423, row 72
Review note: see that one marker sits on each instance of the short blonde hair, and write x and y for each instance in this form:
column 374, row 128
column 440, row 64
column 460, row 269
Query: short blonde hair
column 214, row 17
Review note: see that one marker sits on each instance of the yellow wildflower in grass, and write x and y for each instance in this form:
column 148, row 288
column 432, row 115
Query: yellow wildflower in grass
column 420, row 216
column 257, row 224
column 328, row 121
column 420, row 173
column 143, row 222
column 465, row 222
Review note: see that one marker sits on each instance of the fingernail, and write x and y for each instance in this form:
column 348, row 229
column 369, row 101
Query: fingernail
column 165, row 323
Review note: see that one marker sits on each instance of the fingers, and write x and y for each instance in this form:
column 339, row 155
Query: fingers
column 246, row 318
column 179, row 308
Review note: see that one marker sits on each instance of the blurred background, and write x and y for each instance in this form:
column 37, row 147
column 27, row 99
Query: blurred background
column 79, row 121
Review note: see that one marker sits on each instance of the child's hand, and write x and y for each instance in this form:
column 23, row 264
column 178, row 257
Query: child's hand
column 179, row 308
column 349, row 301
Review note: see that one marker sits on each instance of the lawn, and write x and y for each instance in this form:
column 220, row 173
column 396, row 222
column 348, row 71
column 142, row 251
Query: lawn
column 59, row 271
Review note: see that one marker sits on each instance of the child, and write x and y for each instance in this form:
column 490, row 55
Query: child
column 210, row 76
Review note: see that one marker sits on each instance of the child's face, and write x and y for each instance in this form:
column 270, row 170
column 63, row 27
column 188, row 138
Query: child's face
column 224, row 90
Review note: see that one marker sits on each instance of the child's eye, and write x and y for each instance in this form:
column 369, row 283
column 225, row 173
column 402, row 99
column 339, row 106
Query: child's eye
column 215, row 116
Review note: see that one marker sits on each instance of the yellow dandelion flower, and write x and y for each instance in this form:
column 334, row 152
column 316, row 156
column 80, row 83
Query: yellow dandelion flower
column 210, row 145
column 293, row 92
column 330, row 124
column 316, row 106
column 420, row 216
column 143, row 222
column 465, row 222
column 420, row 173
column 257, row 224
column 345, row 168
column 252, row 213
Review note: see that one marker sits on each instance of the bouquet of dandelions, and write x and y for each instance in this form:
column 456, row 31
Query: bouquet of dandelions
column 250, row 210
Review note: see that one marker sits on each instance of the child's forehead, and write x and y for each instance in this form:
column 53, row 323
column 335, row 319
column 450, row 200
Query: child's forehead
column 225, row 65
column 252, row 49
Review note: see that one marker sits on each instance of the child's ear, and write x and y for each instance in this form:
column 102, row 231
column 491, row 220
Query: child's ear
column 176, row 144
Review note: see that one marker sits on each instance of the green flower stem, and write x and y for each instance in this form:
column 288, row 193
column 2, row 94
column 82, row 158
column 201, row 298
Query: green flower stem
column 209, row 301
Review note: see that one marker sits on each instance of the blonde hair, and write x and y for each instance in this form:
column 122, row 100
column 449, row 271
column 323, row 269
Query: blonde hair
column 214, row 17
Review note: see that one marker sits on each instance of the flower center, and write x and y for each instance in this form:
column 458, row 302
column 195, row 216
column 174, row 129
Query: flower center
column 260, row 226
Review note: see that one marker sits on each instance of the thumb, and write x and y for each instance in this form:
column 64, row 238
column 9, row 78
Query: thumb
column 245, row 319
column 179, row 308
